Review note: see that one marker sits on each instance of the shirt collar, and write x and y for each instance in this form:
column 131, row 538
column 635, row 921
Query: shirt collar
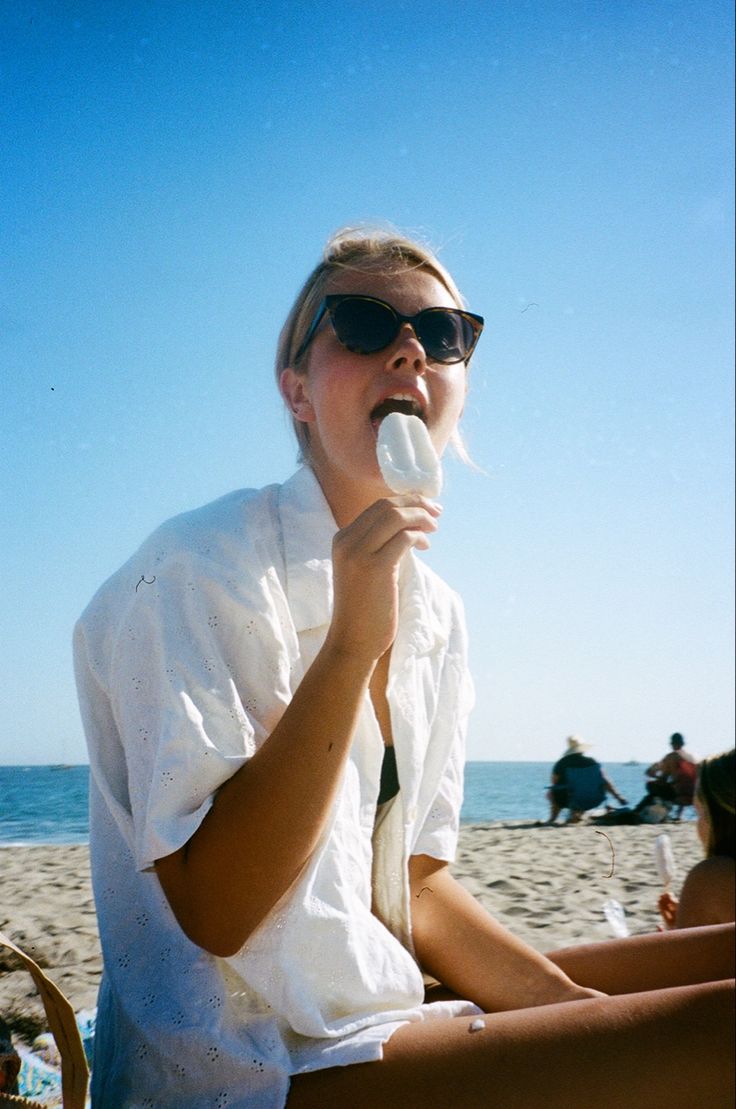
column 308, row 528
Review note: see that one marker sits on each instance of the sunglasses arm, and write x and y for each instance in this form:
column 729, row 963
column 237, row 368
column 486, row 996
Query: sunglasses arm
column 312, row 331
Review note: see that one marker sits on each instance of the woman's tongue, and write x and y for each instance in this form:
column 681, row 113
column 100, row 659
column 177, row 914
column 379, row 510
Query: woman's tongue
column 381, row 410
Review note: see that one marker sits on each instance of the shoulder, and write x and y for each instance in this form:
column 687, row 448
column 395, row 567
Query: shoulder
column 223, row 532
column 718, row 868
column 563, row 762
column 708, row 893
column 214, row 540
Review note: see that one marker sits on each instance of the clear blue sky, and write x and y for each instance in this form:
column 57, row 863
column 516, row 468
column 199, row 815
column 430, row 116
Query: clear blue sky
column 170, row 173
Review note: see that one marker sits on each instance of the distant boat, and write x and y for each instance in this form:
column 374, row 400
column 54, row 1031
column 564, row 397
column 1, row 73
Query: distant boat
column 632, row 762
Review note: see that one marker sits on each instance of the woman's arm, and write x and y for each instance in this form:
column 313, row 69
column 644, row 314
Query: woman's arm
column 266, row 821
column 473, row 955
column 610, row 788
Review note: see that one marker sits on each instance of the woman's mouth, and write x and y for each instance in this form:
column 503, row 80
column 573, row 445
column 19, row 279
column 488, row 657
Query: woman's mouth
column 398, row 402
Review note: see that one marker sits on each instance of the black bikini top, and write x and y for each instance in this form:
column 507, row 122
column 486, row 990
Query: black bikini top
column 389, row 776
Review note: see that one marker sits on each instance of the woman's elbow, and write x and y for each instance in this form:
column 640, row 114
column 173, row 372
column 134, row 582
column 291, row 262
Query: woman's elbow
column 202, row 918
column 210, row 929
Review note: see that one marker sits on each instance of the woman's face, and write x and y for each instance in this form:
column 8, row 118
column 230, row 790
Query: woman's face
column 342, row 396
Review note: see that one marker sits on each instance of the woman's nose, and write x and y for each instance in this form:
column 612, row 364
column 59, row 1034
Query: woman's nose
column 407, row 350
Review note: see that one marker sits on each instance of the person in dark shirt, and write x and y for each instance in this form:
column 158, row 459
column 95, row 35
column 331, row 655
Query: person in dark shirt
column 558, row 793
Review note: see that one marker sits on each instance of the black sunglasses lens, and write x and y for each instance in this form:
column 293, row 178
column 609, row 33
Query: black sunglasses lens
column 363, row 326
column 447, row 336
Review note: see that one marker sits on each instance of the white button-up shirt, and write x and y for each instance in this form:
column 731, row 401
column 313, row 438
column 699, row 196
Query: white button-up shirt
column 186, row 659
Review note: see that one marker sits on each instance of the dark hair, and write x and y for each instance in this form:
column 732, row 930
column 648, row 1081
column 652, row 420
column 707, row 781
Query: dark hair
column 677, row 740
column 715, row 791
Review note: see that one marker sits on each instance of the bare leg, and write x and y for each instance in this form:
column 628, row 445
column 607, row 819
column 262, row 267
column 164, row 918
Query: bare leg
column 554, row 807
column 609, row 1052
column 653, row 961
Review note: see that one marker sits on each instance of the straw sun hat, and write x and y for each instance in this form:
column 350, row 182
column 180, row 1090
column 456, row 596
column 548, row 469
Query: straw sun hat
column 576, row 746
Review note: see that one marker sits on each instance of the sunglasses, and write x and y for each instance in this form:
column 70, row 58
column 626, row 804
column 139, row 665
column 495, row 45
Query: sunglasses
column 365, row 325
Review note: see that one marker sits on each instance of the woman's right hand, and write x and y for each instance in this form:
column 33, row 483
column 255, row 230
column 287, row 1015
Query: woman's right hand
column 668, row 909
column 366, row 558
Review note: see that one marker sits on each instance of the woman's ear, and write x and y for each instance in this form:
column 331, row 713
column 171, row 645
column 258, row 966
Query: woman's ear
column 295, row 391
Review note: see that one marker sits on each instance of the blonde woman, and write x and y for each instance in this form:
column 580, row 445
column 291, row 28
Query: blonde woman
column 276, row 728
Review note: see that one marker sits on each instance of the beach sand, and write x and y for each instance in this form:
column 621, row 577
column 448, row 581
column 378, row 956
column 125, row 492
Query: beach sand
column 548, row 885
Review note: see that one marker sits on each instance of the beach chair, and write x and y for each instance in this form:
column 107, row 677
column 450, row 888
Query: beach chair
column 684, row 782
column 586, row 789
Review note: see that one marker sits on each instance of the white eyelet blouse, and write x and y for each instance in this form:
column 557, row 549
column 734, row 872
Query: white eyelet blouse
column 185, row 661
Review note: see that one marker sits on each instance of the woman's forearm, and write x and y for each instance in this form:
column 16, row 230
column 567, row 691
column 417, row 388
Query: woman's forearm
column 459, row 943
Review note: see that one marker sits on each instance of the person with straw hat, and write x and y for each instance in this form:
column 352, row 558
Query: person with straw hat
column 558, row 793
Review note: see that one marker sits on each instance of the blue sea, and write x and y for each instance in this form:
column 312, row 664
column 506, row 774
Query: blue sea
column 48, row 804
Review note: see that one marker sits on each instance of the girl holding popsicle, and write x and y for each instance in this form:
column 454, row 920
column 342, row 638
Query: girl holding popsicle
column 275, row 692
column 709, row 893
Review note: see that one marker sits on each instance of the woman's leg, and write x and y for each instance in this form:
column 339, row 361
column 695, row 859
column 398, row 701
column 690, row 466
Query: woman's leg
column 670, row 1047
column 654, row 961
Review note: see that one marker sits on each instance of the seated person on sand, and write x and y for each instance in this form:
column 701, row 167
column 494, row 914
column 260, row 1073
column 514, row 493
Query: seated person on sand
column 578, row 783
column 709, row 891
column 673, row 777
column 267, row 912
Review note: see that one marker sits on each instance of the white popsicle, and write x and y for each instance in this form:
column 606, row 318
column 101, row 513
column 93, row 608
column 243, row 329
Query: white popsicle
column 665, row 860
column 408, row 460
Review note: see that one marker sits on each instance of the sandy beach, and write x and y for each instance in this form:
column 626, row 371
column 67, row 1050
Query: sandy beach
column 548, row 885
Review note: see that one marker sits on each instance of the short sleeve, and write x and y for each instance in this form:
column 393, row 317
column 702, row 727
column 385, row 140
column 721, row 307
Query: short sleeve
column 197, row 675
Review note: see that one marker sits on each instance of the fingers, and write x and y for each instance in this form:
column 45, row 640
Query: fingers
column 386, row 519
column 366, row 556
column 667, row 909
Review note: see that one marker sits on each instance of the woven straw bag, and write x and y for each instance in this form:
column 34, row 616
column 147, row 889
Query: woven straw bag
column 60, row 1015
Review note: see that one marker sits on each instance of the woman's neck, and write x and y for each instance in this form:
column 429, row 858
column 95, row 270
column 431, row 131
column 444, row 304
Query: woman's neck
column 346, row 497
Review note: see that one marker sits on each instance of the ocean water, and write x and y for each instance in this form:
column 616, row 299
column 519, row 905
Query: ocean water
column 48, row 804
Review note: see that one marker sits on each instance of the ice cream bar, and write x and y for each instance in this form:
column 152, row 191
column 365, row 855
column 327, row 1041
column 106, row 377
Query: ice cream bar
column 665, row 861
column 408, row 460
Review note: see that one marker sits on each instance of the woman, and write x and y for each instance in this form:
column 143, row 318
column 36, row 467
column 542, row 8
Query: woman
column 265, row 921
column 709, row 892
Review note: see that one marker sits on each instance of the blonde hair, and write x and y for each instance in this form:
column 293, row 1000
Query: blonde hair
column 354, row 250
